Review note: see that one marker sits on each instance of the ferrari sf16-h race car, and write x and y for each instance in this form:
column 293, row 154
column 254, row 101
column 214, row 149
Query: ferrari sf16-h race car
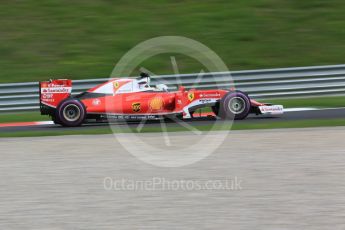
column 135, row 99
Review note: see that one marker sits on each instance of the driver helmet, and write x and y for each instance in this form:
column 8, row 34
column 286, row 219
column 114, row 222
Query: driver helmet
column 144, row 80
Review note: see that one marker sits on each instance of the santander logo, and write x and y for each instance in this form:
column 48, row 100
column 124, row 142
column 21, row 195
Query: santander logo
column 57, row 90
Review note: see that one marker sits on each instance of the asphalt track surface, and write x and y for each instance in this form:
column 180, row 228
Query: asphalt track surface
column 288, row 116
column 286, row 179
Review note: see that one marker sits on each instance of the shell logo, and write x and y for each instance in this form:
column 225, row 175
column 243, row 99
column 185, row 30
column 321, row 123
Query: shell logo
column 156, row 103
column 191, row 96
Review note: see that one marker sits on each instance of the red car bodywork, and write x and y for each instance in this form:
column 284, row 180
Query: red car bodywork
column 127, row 99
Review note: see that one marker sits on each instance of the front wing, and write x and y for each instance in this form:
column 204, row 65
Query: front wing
column 271, row 109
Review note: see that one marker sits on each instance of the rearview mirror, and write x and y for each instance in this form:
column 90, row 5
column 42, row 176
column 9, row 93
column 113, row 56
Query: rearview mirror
column 162, row 87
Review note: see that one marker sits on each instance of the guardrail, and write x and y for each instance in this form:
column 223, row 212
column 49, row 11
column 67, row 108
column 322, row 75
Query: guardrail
column 259, row 84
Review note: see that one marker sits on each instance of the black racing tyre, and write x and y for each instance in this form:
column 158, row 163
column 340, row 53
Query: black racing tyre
column 56, row 120
column 234, row 105
column 71, row 113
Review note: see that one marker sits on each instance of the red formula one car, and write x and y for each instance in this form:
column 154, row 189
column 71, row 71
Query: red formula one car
column 135, row 99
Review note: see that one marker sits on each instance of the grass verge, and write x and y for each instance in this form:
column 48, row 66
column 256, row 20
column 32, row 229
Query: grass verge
column 316, row 102
column 22, row 117
column 84, row 38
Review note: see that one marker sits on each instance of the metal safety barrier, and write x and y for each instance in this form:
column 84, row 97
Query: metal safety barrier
column 259, row 84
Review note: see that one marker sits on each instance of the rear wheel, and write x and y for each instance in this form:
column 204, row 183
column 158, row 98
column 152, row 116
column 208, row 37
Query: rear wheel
column 71, row 113
column 234, row 105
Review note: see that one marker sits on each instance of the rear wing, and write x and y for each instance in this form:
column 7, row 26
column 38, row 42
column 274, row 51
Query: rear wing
column 52, row 92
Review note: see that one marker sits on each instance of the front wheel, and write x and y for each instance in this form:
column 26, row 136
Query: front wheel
column 71, row 113
column 234, row 105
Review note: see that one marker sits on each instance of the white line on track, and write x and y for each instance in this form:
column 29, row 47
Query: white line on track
column 299, row 109
column 45, row 123
column 309, row 109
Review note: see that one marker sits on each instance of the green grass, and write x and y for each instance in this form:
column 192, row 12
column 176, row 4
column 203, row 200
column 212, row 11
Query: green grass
column 84, row 38
column 22, row 117
column 66, row 131
column 236, row 126
column 316, row 102
column 291, row 124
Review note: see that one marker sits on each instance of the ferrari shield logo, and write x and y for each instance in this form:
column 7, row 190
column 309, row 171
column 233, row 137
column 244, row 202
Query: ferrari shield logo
column 116, row 85
column 136, row 107
column 191, row 96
